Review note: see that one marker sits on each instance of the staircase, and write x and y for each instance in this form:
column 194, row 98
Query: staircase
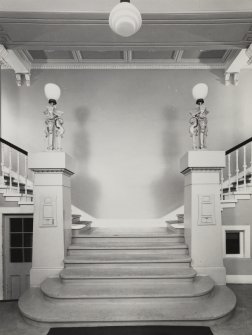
column 127, row 278
column 123, row 277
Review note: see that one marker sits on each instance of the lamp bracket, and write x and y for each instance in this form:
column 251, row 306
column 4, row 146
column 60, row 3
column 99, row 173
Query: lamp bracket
column 52, row 101
column 199, row 101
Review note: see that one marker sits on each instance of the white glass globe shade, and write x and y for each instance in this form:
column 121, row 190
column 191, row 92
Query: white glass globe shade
column 125, row 19
column 52, row 91
column 200, row 91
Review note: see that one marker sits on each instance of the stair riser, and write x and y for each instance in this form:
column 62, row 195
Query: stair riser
column 126, row 289
column 101, row 300
column 231, row 205
column 70, row 281
column 128, row 252
column 12, row 199
column 135, row 240
column 166, row 264
column 126, row 245
column 149, row 323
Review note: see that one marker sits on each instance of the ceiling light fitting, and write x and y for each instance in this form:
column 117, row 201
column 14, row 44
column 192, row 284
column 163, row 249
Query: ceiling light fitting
column 125, row 19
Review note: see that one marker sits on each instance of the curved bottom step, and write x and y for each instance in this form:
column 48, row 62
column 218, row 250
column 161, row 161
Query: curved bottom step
column 134, row 311
column 126, row 288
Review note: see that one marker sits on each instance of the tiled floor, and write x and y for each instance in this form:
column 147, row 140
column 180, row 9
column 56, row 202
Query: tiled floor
column 11, row 323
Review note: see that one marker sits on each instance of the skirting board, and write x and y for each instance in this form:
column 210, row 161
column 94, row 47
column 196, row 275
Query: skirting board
column 239, row 279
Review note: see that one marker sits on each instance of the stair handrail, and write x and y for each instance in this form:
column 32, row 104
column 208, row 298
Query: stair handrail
column 233, row 181
column 13, row 146
column 238, row 146
column 14, row 174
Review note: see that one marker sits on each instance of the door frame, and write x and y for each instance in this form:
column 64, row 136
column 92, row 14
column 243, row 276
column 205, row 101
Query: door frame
column 9, row 211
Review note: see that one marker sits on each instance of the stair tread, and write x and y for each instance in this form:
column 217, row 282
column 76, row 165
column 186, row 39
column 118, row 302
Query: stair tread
column 126, row 271
column 94, row 232
column 115, row 258
column 126, row 288
column 127, row 245
column 34, row 306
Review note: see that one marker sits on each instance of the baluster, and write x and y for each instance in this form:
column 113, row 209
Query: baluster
column 244, row 168
column 26, row 177
column 229, row 174
column 10, row 169
column 222, row 181
column 18, row 173
column 237, row 169
column 2, row 163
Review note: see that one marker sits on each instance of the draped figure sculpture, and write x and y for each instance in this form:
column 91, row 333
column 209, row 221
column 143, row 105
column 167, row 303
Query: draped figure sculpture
column 53, row 127
column 198, row 127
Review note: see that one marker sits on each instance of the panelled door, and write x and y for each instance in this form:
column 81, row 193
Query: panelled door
column 17, row 255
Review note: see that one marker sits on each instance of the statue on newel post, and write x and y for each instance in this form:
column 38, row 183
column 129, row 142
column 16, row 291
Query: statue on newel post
column 54, row 129
column 198, row 121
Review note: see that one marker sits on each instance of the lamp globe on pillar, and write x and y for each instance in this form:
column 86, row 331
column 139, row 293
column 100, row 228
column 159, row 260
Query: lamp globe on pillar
column 52, row 93
column 199, row 93
column 54, row 122
column 125, row 19
column 198, row 120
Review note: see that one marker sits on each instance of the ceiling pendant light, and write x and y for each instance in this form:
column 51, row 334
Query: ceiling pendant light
column 125, row 19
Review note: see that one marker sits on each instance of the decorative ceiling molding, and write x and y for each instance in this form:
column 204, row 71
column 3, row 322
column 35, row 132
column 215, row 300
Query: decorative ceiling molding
column 148, row 59
column 69, row 29
column 158, row 65
column 145, row 6
column 89, row 30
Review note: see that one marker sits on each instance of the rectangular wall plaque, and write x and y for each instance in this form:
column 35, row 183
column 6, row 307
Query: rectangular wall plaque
column 47, row 210
column 206, row 210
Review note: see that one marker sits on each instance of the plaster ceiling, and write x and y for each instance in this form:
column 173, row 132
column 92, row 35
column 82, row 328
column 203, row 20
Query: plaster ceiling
column 200, row 33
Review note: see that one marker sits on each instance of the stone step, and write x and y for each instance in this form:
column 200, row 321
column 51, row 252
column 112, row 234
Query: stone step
column 137, row 257
column 126, row 244
column 171, row 238
column 145, row 311
column 156, row 233
column 54, row 288
column 78, row 249
column 127, row 271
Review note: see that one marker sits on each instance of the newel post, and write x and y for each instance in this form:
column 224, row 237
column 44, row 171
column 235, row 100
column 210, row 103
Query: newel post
column 203, row 233
column 52, row 213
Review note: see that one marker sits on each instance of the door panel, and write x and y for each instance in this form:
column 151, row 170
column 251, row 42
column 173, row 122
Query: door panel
column 17, row 255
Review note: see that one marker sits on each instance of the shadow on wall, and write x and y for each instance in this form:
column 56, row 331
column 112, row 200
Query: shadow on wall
column 168, row 189
column 86, row 190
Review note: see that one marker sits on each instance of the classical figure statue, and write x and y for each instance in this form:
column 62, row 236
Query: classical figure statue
column 198, row 126
column 53, row 127
column 193, row 130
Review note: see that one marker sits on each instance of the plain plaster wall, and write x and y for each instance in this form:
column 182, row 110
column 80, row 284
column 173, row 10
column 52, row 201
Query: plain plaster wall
column 127, row 130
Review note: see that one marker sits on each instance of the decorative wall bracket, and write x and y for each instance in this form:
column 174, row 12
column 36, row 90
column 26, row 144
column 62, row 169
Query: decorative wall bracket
column 22, row 69
column 23, row 77
column 232, row 78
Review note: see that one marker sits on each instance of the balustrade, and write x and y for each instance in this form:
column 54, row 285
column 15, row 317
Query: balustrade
column 15, row 175
column 238, row 171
